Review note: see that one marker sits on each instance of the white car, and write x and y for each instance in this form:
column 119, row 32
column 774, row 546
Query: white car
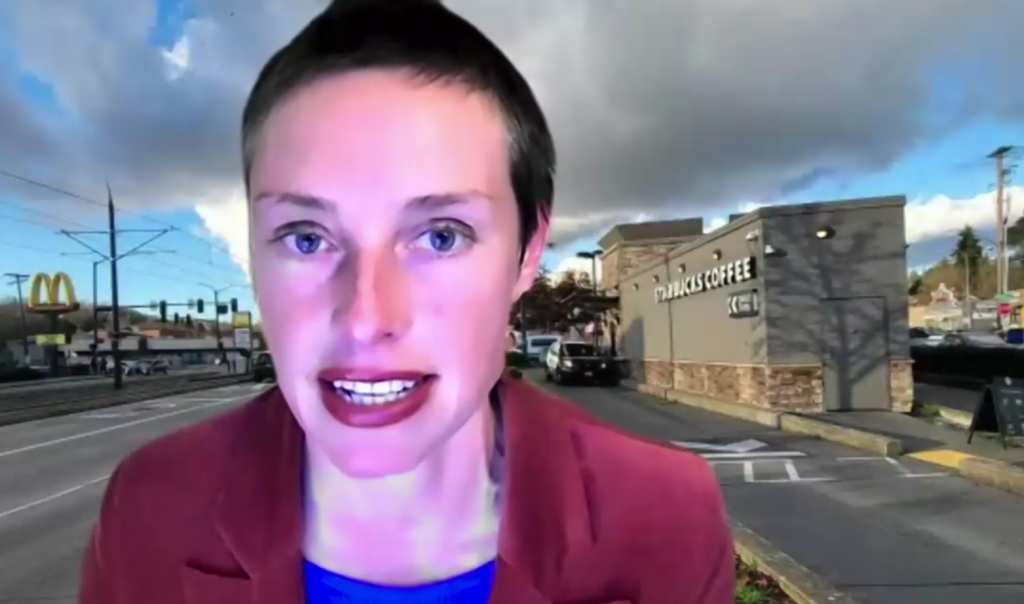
column 537, row 345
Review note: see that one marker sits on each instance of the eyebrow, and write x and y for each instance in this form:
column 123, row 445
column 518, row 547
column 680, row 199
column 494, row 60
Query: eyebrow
column 434, row 201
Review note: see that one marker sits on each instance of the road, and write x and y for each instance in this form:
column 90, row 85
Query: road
column 890, row 532
column 887, row 531
column 52, row 475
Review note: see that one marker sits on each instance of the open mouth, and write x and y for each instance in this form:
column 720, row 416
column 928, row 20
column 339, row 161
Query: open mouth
column 377, row 392
column 374, row 399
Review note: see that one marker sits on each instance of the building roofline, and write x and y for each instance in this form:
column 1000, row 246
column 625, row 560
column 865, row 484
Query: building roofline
column 815, row 207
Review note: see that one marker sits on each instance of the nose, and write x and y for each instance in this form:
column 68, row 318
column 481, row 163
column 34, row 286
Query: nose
column 377, row 306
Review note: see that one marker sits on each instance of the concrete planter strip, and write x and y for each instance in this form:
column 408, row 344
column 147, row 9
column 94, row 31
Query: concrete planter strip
column 799, row 583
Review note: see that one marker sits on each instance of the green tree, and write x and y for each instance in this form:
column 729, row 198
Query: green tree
column 1015, row 238
column 968, row 253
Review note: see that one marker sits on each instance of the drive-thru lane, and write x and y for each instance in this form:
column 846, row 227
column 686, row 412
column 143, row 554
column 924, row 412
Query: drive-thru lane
column 889, row 531
column 52, row 476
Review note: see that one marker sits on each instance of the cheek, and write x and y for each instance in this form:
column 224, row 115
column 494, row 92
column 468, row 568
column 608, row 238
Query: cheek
column 463, row 309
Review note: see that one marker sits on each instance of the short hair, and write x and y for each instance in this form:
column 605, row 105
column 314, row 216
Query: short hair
column 433, row 43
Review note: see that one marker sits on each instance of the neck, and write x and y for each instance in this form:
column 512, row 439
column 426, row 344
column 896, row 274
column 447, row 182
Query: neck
column 436, row 521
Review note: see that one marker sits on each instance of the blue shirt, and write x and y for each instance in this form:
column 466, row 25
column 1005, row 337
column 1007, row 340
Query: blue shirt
column 326, row 587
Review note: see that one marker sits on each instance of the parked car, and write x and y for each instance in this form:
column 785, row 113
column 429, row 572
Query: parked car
column 263, row 368
column 971, row 339
column 538, row 345
column 154, row 366
column 922, row 336
column 581, row 362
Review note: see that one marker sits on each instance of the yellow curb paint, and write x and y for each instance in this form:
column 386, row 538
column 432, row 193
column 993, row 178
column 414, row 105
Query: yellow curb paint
column 942, row 457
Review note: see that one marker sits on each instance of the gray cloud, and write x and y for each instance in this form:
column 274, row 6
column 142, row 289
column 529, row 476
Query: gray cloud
column 656, row 105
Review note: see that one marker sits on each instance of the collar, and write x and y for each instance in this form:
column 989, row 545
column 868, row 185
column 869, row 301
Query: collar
column 545, row 517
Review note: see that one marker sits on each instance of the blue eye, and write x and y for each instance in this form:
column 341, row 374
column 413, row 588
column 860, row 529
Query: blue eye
column 305, row 243
column 442, row 240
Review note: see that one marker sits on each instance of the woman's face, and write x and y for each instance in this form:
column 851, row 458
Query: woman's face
column 385, row 256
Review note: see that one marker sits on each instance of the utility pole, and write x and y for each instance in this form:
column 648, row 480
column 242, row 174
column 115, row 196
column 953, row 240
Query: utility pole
column 1002, row 217
column 18, row 279
column 112, row 256
column 216, row 312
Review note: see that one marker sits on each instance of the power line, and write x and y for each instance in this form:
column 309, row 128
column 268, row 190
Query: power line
column 82, row 198
column 145, row 273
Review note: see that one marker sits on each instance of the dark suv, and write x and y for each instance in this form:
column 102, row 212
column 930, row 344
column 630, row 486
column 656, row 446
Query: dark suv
column 263, row 368
column 579, row 362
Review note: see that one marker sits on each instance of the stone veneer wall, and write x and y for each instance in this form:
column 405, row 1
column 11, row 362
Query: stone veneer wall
column 901, row 384
column 775, row 387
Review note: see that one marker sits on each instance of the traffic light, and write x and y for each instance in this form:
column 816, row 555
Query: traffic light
column 188, row 320
column 163, row 311
column 177, row 318
column 234, row 304
column 199, row 306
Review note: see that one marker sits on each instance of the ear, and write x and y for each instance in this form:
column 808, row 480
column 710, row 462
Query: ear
column 535, row 249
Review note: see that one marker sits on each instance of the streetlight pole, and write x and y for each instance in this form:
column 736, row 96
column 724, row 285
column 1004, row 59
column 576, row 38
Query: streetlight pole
column 216, row 313
column 593, row 285
column 20, row 278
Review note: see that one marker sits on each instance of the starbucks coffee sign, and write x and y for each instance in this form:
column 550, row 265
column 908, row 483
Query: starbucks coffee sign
column 737, row 271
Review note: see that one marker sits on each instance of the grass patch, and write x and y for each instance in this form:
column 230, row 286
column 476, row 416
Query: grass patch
column 756, row 587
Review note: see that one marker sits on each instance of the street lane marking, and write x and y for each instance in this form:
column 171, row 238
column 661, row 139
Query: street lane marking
column 942, row 457
column 904, row 472
column 118, row 426
column 22, row 508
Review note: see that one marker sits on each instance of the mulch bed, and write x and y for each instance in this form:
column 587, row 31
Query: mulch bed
column 755, row 587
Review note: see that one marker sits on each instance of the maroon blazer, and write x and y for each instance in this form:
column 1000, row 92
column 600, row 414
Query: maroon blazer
column 212, row 514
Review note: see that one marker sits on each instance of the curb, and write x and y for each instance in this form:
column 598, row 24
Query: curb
column 980, row 470
column 799, row 583
column 772, row 419
column 851, row 437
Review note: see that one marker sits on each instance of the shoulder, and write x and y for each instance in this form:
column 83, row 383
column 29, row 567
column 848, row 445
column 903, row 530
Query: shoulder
column 173, row 480
column 657, row 513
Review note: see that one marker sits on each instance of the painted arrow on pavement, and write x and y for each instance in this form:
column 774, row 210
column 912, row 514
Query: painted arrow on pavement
column 739, row 450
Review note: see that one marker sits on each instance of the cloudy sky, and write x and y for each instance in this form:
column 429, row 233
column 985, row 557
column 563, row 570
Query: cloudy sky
column 660, row 108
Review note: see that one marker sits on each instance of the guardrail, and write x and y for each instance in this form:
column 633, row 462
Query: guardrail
column 18, row 407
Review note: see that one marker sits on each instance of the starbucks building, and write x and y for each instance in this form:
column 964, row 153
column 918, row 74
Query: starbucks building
column 792, row 308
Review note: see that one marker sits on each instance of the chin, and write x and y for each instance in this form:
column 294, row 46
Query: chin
column 372, row 463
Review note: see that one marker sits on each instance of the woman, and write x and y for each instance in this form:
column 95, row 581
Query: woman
column 400, row 178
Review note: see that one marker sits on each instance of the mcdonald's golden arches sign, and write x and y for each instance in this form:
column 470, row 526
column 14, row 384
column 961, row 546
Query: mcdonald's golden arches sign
column 42, row 284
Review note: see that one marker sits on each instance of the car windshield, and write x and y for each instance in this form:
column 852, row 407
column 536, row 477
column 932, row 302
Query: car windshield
column 983, row 339
column 264, row 359
column 580, row 350
column 541, row 342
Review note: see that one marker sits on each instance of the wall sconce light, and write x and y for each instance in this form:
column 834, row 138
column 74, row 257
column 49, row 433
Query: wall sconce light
column 825, row 233
column 682, row 268
column 717, row 254
column 753, row 235
column 655, row 279
column 636, row 286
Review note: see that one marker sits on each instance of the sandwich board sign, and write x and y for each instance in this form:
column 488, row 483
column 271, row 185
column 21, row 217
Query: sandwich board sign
column 1000, row 410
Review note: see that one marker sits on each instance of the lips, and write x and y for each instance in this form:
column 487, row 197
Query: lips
column 368, row 398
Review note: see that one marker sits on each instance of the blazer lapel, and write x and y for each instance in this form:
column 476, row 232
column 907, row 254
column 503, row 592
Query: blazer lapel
column 259, row 514
column 546, row 520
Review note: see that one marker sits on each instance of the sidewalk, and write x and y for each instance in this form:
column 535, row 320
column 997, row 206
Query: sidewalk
column 923, row 439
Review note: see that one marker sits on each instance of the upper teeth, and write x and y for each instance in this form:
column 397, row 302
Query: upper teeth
column 383, row 387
